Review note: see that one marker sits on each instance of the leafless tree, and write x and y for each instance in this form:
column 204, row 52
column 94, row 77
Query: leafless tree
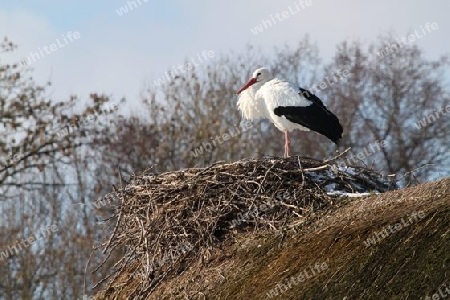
column 53, row 165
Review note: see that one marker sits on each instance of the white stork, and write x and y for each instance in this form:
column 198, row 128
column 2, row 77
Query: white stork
column 287, row 106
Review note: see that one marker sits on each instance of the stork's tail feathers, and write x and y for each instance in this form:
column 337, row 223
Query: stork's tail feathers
column 315, row 117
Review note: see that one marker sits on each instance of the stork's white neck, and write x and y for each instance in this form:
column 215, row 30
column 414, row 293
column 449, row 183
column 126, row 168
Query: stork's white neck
column 253, row 89
column 252, row 107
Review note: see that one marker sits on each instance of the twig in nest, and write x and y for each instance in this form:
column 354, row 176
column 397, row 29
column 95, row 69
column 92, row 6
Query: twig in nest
column 337, row 156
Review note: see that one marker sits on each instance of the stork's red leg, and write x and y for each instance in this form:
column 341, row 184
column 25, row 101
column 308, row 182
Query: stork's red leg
column 287, row 144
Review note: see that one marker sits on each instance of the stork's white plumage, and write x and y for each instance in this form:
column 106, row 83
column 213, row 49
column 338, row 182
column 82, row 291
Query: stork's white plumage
column 287, row 106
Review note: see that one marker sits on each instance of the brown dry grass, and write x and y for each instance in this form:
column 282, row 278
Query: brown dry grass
column 161, row 211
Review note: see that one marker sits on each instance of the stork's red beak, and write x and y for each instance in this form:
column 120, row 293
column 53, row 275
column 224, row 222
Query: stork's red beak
column 249, row 83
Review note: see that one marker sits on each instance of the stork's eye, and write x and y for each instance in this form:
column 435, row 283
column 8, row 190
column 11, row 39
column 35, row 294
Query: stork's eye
column 258, row 74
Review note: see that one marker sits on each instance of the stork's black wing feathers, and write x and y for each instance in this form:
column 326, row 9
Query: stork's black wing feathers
column 315, row 116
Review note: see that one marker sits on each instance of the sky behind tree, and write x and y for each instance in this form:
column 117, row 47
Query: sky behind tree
column 124, row 44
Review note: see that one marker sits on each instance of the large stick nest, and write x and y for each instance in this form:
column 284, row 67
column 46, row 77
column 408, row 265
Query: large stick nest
column 165, row 222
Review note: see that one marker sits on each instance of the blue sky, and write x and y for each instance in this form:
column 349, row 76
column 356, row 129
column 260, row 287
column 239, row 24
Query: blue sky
column 118, row 54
